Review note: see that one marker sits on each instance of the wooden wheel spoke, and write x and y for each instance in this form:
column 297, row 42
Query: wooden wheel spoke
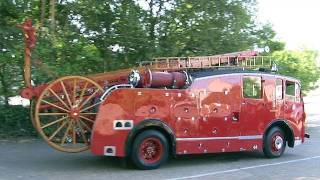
column 89, row 113
column 66, row 133
column 59, row 98
column 83, row 91
column 52, row 114
column 65, row 93
column 56, row 106
column 74, row 137
column 74, row 91
column 84, row 138
column 54, row 122
column 90, row 107
column 58, row 130
column 85, row 118
column 89, row 98
column 85, row 125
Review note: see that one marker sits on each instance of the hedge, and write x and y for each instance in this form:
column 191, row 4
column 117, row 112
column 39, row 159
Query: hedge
column 15, row 122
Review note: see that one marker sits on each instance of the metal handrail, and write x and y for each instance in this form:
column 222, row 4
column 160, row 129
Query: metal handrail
column 112, row 88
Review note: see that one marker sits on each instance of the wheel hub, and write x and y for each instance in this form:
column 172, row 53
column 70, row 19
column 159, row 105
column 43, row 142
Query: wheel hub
column 151, row 150
column 74, row 113
column 278, row 143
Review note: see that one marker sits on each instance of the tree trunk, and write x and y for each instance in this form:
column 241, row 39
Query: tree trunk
column 43, row 12
column 154, row 18
column 5, row 88
column 52, row 16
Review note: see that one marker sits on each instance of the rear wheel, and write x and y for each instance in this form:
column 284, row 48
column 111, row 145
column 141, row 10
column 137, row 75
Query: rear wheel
column 274, row 143
column 149, row 150
column 32, row 118
column 65, row 113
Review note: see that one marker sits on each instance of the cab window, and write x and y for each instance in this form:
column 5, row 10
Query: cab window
column 290, row 88
column 279, row 89
column 252, row 87
column 292, row 91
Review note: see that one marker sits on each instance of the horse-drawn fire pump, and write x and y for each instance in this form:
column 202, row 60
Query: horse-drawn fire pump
column 170, row 106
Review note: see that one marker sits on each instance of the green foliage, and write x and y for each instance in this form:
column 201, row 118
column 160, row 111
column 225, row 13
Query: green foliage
column 89, row 37
column 300, row 64
column 15, row 122
column 114, row 34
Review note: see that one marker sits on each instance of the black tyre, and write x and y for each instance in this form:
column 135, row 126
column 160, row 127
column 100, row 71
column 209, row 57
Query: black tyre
column 149, row 150
column 274, row 143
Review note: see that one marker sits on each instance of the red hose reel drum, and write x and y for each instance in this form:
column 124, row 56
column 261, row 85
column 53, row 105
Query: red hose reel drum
column 164, row 79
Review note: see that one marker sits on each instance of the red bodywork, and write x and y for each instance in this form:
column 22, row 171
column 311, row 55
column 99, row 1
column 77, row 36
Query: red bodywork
column 209, row 116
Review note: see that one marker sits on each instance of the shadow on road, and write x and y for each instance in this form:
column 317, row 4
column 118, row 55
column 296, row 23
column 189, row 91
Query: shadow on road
column 82, row 161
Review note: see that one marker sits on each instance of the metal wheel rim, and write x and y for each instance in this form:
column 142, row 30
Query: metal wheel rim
column 277, row 142
column 151, row 150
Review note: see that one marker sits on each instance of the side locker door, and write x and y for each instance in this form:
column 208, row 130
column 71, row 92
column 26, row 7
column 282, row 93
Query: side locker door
column 185, row 114
column 219, row 106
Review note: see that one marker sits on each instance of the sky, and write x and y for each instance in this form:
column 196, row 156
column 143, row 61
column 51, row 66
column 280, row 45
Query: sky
column 296, row 22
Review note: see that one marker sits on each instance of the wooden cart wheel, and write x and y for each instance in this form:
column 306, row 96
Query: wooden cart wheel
column 32, row 107
column 65, row 112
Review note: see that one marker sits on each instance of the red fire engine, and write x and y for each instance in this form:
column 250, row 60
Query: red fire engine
column 172, row 106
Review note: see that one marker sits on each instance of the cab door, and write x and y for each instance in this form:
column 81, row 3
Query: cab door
column 254, row 110
column 293, row 105
column 278, row 101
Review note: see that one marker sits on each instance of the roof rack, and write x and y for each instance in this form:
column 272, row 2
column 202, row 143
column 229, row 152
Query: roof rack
column 243, row 59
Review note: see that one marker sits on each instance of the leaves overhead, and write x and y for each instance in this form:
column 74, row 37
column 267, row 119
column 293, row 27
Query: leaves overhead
column 87, row 37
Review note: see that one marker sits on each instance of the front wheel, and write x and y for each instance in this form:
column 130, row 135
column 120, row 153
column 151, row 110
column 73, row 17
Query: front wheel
column 274, row 143
column 149, row 150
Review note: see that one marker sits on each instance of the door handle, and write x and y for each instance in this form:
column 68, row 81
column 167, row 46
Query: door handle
column 235, row 116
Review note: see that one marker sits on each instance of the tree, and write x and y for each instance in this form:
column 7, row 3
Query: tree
column 10, row 52
column 300, row 64
column 266, row 37
column 114, row 34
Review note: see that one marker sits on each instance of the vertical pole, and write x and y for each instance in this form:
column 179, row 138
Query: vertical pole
column 27, row 67
column 30, row 43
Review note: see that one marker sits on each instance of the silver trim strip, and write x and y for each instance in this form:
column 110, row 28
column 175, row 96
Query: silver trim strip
column 221, row 138
column 250, row 137
column 115, row 87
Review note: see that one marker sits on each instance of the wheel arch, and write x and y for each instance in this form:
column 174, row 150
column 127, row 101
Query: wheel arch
column 155, row 124
column 285, row 126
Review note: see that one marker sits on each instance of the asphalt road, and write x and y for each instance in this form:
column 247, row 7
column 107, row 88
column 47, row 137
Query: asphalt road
column 33, row 159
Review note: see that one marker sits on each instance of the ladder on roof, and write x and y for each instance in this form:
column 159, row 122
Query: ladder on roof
column 244, row 59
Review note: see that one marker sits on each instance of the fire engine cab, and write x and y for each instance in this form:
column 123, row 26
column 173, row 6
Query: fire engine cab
column 185, row 106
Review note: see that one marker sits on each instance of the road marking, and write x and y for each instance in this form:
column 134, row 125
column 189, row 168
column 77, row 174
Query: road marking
column 244, row 168
column 313, row 125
